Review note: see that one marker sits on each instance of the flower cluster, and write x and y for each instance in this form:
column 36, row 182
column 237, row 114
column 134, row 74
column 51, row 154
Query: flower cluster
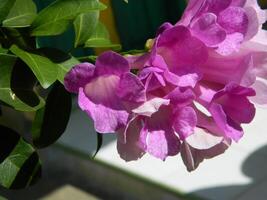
column 190, row 93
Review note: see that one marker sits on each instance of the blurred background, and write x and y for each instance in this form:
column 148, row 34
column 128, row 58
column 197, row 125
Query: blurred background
column 69, row 172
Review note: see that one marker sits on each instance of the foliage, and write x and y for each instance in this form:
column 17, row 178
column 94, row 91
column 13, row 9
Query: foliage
column 31, row 77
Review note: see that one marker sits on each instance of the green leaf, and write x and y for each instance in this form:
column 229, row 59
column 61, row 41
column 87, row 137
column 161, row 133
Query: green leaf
column 21, row 14
column 84, row 26
column 7, row 96
column 20, row 165
column 3, row 51
column 5, row 7
column 20, row 37
column 51, row 121
column 22, row 84
column 63, row 60
column 43, row 68
column 54, row 19
column 65, row 67
column 3, row 198
column 100, row 38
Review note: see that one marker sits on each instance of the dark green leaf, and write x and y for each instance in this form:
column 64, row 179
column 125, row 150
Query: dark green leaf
column 51, row 121
column 5, row 7
column 21, row 14
column 55, row 55
column 99, row 143
column 3, row 198
column 63, row 60
column 100, row 38
column 54, row 19
column 22, row 84
column 20, row 37
column 7, row 63
column 84, row 26
column 43, row 68
column 3, row 51
column 20, row 165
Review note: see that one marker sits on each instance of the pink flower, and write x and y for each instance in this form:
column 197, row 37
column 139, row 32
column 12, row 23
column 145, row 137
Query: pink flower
column 104, row 88
column 223, row 25
column 190, row 93
column 159, row 124
column 229, row 107
column 178, row 60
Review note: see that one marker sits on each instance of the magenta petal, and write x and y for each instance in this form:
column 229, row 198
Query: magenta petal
column 234, row 19
column 79, row 76
column 171, row 77
column 253, row 23
column 161, row 140
column 181, row 96
column 193, row 157
column 111, row 63
column 216, row 6
column 261, row 91
column 203, row 140
column 99, row 101
column 131, row 89
column 239, row 3
column 179, row 48
column 236, row 104
column 231, row 44
column 129, row 149
column 188, row 76
column 225, row 69
column 157, row 144
column 151, row 106
column 161, row 144
column 152, row 78
column 185, row 121
column 164, row 27
column 193, row 9
column 207, row 30
column 230, row 128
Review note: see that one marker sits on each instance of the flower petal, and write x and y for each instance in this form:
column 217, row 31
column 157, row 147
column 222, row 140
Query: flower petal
column 193, row 157
column 129, row 149
column 150, row 107
column 164, row 27
column 98, row 99
column 79, row 76
column 261, row 90
column 231, row 44
column 152, row 78
column 234, row 19
column 235, row 68
column 181, row 97
column 230, row 128
column 131, row 89
column 111, row 63
column 216, row 6
column 207, row 30
column 185, row 121
column 160, row 140
column 235, row 103
column 176, row 46
column 203, row 140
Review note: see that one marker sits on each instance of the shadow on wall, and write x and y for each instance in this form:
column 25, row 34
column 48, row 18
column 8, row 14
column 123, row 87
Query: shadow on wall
column 254, row 167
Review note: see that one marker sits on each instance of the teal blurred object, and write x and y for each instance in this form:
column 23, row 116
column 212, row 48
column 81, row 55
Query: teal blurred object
column 136, row 22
